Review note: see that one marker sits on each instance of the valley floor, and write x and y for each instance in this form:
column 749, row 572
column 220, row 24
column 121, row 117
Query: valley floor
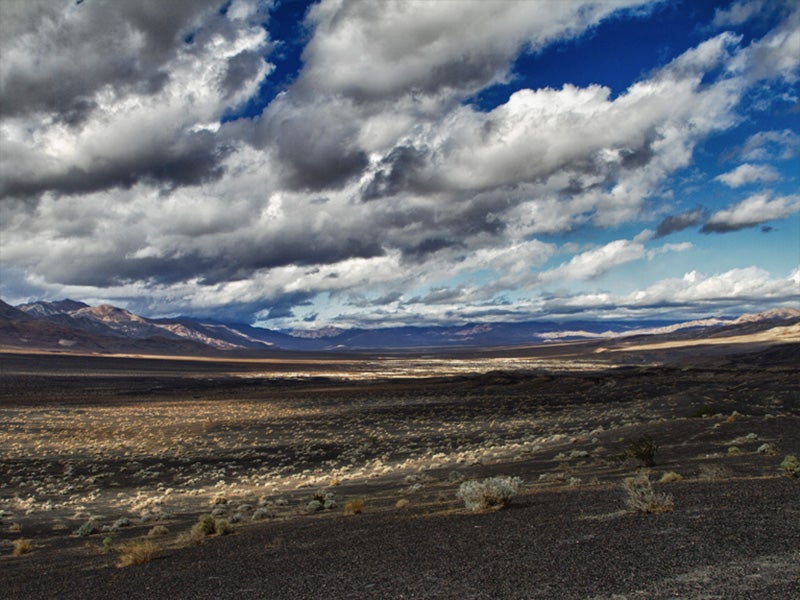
column 96, row 454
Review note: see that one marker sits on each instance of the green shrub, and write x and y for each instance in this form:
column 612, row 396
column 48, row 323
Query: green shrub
column 222, row 527
column 205, row 525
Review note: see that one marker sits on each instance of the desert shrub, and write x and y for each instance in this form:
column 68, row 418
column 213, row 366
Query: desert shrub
column 670, row 476
column 22, row 546
column 767, row 448
column 222, row 527
column 207, row 525
column 262, row 513
column 120, row 523
column 492, row 493
column 354, row 506
column 108, row 544
column 401, row 504
column 157, row 531
column 314, row 506
column 733, row 450
column 91, row 526
column 643, row 449
column 455, row 477
column 641, row 497
column 137, row 552
column 791, row 466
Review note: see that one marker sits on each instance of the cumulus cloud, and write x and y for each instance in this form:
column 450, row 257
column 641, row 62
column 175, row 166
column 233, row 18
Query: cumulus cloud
column 377, row 51
column 752, row 211
column 367, row 180
column 748, row 173
column 695, row 293
column 101, row 95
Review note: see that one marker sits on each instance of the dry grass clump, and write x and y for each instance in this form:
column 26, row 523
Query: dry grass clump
column 158, row 530
column 670, row 476
column 22, row 546
column 641, row 497
column 137, row 552
column 354, row 506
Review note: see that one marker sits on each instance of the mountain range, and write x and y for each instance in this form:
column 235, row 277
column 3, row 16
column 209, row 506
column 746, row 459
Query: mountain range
column 70, row 325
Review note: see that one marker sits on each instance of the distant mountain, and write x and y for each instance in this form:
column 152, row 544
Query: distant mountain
column 68, row 324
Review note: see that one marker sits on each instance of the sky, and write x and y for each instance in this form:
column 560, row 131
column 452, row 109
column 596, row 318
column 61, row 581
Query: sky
column 366, row 163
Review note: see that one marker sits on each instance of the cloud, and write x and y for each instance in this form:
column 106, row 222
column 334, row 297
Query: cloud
column 680, row 221
column 771, row 145
column 367, row 180
column 752, row 211
column 96, row 96
column 737, row 13
column 384, row 50
column 594, row 263
column 695, row 294
column 748, row 173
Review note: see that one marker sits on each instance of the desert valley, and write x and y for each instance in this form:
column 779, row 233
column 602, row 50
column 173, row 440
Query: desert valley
column 639, row 466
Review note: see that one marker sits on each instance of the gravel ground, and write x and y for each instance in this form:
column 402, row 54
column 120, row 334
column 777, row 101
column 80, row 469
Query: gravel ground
column 733, row 532
column 732, row 539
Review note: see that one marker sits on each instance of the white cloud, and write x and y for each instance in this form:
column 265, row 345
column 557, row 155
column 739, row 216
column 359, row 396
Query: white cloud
column 737, row 13
column 387, row 49
column 767, row 145
column 748, row 173
column 753, row 210
column 595, row 262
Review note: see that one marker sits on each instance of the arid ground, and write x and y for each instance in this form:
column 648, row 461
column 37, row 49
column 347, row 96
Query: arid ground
column 99, row 452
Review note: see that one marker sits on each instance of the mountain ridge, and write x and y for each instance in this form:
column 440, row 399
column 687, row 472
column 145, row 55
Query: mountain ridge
column 69, row 324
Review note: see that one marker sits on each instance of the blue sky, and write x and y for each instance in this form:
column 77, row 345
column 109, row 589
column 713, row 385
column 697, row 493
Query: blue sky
column 310, row 164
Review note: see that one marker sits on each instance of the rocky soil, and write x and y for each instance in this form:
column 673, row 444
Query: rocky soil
column 96, row 454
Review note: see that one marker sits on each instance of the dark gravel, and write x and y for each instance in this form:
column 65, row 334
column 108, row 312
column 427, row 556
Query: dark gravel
column 730, row 539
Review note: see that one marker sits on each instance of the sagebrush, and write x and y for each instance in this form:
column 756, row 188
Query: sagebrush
column 641, row 497
column 490, row 494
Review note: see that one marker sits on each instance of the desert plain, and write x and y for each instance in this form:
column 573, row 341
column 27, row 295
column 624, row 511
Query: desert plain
column 338, row 476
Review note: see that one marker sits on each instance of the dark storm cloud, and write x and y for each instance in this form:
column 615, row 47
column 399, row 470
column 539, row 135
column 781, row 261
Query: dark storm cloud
column 77, row 55
column 315, row 144
column 191, row 159
column 398, row 172
column 240, row 69
column 726, row 227
column 681, row 221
